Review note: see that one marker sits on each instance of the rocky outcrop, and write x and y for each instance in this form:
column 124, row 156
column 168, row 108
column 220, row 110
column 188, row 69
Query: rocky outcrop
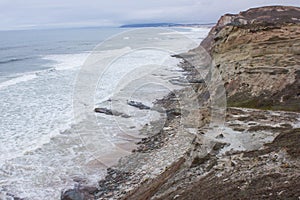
column 138, row 105
column 79, row 193
column 257, row 53
column 107, row 111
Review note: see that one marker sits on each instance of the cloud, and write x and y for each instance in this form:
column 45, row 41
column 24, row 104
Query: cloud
column 56, row 13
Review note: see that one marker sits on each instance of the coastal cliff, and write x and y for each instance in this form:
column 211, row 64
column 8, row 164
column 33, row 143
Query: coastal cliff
column 256, row 155
column 258, row 54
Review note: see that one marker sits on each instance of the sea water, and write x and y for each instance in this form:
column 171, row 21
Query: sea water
column 43, row 149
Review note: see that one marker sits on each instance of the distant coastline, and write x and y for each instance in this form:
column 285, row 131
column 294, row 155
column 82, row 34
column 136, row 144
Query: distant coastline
column 148, row 25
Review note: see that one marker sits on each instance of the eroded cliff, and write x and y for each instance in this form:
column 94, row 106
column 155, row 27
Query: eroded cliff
column 258, row 55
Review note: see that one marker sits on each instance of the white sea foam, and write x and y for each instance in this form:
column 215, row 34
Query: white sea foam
column 37, row 160
column 17, row 80
column 194, row 33
column 62, row 62
column 67, row 61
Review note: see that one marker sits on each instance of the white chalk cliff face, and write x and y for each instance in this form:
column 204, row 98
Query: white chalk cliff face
column 258, row 55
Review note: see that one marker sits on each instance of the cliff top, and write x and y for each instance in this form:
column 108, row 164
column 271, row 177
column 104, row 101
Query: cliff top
column 265, row 15
column 268, row 16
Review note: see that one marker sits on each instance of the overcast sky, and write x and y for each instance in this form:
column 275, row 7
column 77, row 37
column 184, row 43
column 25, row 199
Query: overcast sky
column 24, row 14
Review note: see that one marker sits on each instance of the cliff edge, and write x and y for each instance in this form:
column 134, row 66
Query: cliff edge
column 258, row 54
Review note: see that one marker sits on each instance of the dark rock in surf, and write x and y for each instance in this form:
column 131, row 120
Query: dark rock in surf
column 72, row 194
column 104, row 111
column 110, row 112
column 138, row 105
column 79, row 193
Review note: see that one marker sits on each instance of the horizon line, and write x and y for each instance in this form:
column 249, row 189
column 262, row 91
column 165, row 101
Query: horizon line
column 104, row 26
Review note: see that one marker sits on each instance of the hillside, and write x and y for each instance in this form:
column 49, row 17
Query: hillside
column 258, row 55
column 255, row 153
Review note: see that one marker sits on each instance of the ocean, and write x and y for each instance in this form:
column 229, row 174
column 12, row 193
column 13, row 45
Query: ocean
column 47, row 142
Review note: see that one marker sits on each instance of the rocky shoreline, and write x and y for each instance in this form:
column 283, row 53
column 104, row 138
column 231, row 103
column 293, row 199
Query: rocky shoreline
column 255, row 153
column 154, row 156
column 171, row 163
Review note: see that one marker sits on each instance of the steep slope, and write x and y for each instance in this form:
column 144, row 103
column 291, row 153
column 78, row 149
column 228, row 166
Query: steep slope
column 257, row 153
column 258, row 55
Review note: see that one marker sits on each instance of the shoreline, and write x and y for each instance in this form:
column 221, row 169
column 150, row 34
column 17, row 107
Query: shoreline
column 156, row 154
column 248, row 150
column 172, row 156
column 74, row 164
column 146, row 149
